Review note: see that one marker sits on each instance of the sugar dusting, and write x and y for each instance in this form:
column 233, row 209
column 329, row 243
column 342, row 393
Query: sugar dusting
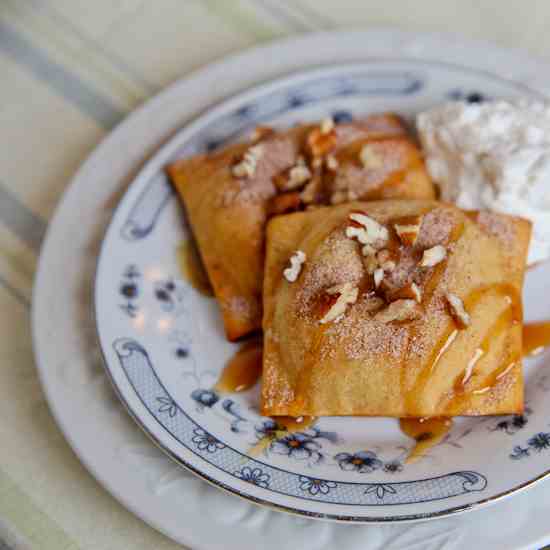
column 337, row 261
column 373, row 126
column 279, row 154
column 358, row 180
column 497, row 226
column 359, row 335
column 242, row 307
column 437, row 226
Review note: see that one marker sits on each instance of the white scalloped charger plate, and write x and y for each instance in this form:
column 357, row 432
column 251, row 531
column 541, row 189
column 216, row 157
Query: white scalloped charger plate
column 163, row 343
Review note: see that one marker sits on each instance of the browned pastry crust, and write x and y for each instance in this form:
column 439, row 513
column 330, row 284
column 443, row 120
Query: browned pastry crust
column 228, row 213
column 402, row 348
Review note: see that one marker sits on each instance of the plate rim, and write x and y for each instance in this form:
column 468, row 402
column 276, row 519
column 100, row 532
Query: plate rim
column 408, row 518
column 39, row 300
column 165, row 151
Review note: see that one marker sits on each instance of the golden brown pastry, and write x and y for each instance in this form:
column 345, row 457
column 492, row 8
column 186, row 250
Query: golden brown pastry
column 393, row 308
column 230, row 195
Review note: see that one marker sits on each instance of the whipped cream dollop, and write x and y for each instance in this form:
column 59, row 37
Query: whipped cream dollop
column 493, row 155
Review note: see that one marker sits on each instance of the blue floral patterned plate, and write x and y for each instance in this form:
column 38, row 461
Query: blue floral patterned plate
column 164, row 345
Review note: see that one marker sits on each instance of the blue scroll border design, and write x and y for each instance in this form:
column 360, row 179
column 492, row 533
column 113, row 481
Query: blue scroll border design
column 141, row 375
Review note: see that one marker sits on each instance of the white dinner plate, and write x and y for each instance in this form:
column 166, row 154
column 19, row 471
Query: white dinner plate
column 162, row 341
column 164, row 347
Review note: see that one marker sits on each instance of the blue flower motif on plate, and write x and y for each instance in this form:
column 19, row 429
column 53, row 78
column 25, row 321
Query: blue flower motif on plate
column 296, row 101
column 540, row 442
column 469, row 97
column 213, row 144
column 268, row 428
column 315, row 486
column 246, row 110
column 537, row 443
column 181, row 352
column 255, row 476
column 168, row 406
column 513, row 424
column 510, row 426
column 206, row 442
column 380, row 490
column 519, row 452
column 129, row 290
column 393, row 467
column 170, row 295
column 182, row 341
column 364, row 462
column 342, row 116
column 206, row 398
column 298, row 446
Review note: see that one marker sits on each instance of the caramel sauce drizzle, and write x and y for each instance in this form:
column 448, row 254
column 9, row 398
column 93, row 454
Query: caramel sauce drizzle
column 241, row 373
column 427, row 432
column 503, row 322
column 243, row 370
column 413, row 396
column 511, row 315
column 502, row 289
column 192, row 268
column 441, row 349
column 536, row 337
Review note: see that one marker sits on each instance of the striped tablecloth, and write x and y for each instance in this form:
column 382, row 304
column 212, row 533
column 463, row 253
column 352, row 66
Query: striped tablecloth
column 69, row 71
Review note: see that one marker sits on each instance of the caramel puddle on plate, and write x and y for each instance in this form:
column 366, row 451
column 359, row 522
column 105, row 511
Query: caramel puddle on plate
column 285, row 425
column 536, row 337
column 243, row 370
column 241, row 373
column 192, row 268
column 427, row 432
